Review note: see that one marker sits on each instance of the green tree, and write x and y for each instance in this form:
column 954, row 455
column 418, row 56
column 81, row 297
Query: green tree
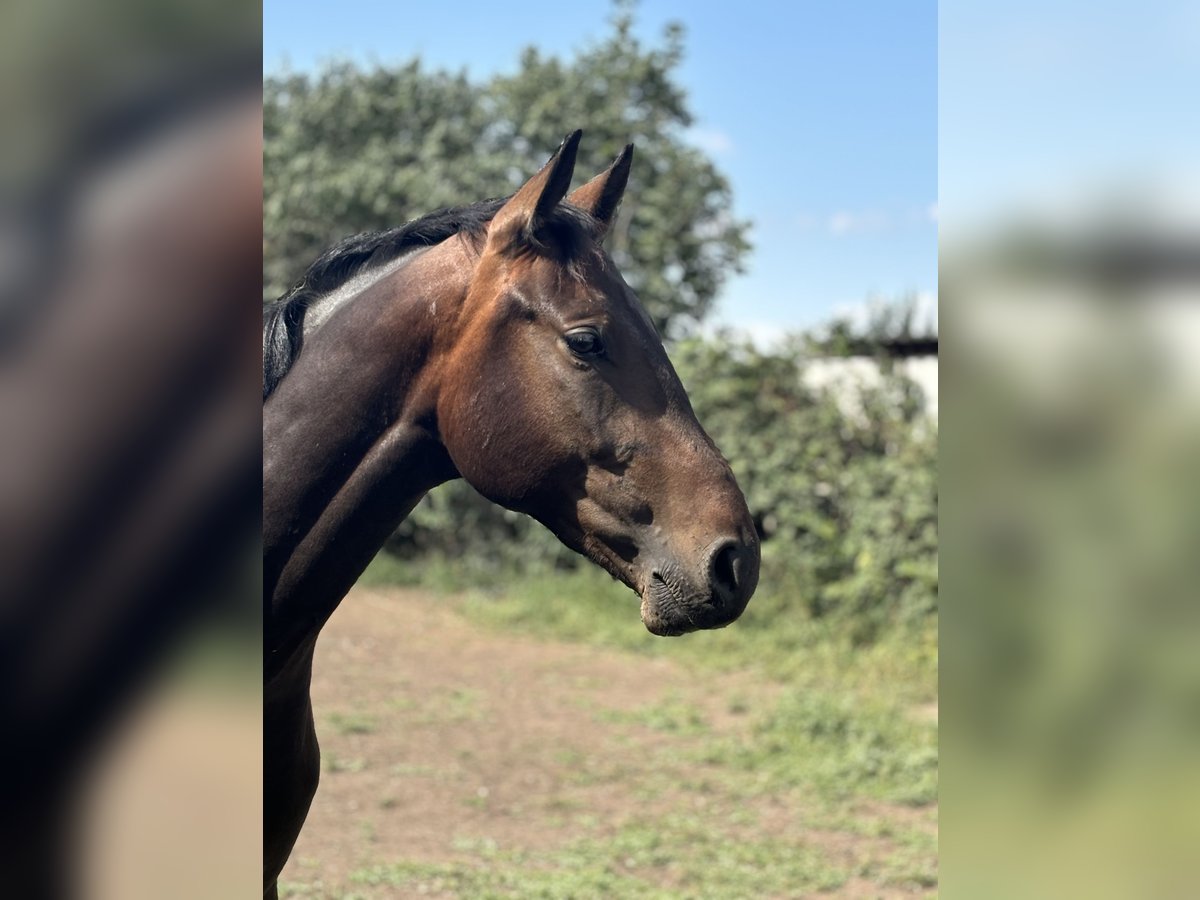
column 354, row 149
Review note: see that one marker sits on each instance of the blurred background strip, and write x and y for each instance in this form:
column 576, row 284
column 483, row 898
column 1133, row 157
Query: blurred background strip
column 1070, row 277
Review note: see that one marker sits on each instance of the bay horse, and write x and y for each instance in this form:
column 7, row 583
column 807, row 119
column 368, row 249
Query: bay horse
column 497, row 343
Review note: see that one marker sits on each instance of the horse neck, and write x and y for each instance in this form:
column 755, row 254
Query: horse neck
column 350, row 441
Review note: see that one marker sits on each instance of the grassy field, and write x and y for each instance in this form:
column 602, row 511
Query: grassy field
column 535, row 741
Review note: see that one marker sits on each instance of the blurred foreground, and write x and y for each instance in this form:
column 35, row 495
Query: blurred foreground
column 130, row 248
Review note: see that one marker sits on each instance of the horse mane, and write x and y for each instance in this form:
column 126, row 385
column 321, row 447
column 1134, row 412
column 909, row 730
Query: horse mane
column 283, row 319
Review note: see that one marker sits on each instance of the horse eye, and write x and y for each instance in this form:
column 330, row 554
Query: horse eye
column 585, row 342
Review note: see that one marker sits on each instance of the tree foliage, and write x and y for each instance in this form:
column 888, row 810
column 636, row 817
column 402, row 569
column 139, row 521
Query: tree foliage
column 354, row 149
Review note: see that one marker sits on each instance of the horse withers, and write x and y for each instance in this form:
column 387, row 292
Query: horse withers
column 497, row 343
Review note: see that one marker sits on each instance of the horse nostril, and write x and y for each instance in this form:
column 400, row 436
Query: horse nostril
column 723, row 570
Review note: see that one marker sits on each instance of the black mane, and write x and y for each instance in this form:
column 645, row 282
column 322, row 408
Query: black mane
column 283, row 320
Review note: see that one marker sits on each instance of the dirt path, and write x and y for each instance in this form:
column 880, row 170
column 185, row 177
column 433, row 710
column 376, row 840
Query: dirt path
column 442, row 740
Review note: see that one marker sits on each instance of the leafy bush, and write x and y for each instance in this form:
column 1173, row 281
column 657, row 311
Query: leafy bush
column 845, row 495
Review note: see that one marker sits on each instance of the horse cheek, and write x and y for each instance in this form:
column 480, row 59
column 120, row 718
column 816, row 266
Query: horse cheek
column 487, row 435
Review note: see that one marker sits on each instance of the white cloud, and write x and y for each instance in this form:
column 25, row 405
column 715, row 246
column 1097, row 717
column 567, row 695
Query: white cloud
column 845, row 222
column 870, row 221
column 712, row 140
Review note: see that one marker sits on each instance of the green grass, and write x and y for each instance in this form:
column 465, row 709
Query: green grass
column 838, row 747
column 352, row 723
column 661, row 857
column 332, row 763
column 815, row 722
column 672, row 715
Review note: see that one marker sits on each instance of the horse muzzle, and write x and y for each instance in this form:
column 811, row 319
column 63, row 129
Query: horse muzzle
column 675, row 601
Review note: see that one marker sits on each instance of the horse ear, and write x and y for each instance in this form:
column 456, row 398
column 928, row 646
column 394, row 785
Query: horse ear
column 602, row 195
column 528, row 209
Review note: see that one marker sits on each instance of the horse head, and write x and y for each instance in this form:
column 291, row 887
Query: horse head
column 563, row 405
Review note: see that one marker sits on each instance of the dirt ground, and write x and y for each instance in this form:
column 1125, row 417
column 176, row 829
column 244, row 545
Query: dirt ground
column 440, row 737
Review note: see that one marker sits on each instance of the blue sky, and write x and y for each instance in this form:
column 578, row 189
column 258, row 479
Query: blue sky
column 1044, row 103
column 822, row 115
